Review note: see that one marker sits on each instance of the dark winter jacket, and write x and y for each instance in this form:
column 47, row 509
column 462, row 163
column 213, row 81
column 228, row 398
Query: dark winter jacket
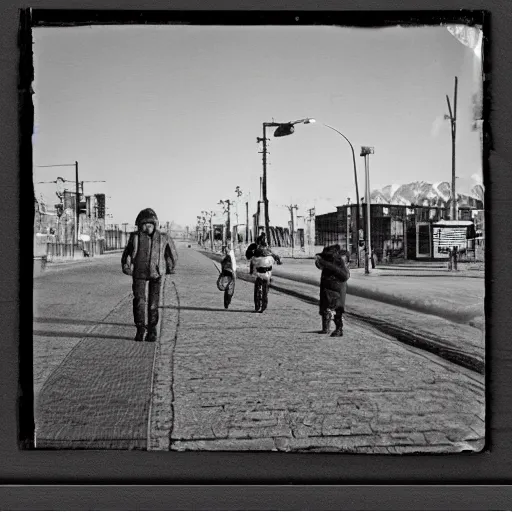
column 260, row 240
column 335, row 274
column 261, row 249
column 144, row 256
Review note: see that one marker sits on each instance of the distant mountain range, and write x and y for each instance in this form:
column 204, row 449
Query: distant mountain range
column 423, row 193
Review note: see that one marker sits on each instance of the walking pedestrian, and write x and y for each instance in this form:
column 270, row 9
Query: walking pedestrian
column 249, row 252
column 227, row 276
column 144, row 257
column 334, row 264
column 262, row 262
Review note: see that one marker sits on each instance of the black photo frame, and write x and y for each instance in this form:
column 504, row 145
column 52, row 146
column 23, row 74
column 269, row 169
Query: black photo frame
column 95, row 479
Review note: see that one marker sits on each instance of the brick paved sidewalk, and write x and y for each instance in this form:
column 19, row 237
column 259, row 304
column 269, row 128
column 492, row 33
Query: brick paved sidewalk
column 99, row 396
column 271, row 382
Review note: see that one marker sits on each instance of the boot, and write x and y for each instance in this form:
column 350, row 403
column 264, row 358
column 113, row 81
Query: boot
column 140, row 333
column 326, row 321
column 152, row 334
column 338, row 321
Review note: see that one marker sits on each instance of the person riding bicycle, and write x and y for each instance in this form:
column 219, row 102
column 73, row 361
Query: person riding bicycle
column 262, row 261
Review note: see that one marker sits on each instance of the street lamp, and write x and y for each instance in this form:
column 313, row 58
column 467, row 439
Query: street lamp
column 358, row 214
column 366, row 151
column 282, row 129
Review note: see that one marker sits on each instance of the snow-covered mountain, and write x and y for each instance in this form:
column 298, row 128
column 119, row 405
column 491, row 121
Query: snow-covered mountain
column 422, row 193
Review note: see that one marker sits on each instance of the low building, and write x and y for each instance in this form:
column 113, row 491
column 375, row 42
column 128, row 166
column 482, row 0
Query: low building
column 400, row 232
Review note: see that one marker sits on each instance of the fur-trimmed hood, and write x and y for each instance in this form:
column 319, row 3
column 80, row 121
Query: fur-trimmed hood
column 146, row 216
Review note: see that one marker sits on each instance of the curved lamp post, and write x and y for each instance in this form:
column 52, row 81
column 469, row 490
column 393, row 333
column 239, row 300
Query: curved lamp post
column 358, row 214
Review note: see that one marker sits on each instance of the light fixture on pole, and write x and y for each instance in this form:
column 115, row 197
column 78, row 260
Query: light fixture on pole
column 282, row 129
column 366, row 151
column 358, row 211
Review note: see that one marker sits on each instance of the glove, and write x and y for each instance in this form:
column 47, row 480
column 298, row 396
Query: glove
column 170, row 271
column 127, row 269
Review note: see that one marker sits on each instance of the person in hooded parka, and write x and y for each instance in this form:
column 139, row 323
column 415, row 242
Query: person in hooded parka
column 148, row 254
column 334, row 264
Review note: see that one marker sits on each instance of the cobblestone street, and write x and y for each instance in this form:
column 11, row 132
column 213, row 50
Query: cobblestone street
column 235, row 379
column 265, row 382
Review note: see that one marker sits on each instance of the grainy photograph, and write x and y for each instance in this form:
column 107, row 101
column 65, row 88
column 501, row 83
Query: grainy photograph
column 259, row 238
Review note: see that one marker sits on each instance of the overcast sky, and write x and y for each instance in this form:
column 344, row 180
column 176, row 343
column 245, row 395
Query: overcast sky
column 168, row 115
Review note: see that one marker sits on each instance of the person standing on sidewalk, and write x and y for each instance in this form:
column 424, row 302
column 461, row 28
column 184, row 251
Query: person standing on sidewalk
column 262, row 262
column 147, row 250
column 334, row 264
column 227, row 276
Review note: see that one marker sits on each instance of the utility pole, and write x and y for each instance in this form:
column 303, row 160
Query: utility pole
column 77, row 201
column 348, row 226
column 211, row 230
column 77, row 193
column 366, row 151
column 453, row 121
column 292, row 207
column 312, row 213
column 227, row 208
column 264, row 179
column 247, row 222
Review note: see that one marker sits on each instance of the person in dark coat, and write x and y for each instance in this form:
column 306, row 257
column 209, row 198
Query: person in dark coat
column 334, row 264
column 148, row 254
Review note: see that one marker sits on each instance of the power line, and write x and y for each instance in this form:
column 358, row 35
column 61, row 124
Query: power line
column 56, row 165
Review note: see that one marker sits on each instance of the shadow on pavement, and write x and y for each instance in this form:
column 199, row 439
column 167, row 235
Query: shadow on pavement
column 72, row 321
column 191, row 308
column 80, row 335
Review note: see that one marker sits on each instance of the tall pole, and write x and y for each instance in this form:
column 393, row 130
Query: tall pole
column 77, row 201
column 312, row 234
column 264, row 183
column 358, row 212
column 453, row 121
column 291, row 208
column 366, row 152
column 228, row 225
column 211, row 231
column 247, row 222
column 368, row 223
column 348, row 224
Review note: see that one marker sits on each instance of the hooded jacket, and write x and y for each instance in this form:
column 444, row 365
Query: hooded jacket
column 335, row 274
column 144, row 256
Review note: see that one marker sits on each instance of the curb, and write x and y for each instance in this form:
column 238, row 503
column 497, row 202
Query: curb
column 404, row 336
column 460, row 317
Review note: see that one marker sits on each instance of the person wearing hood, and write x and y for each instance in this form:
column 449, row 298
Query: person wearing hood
column 148, row 254
column 334, row 264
